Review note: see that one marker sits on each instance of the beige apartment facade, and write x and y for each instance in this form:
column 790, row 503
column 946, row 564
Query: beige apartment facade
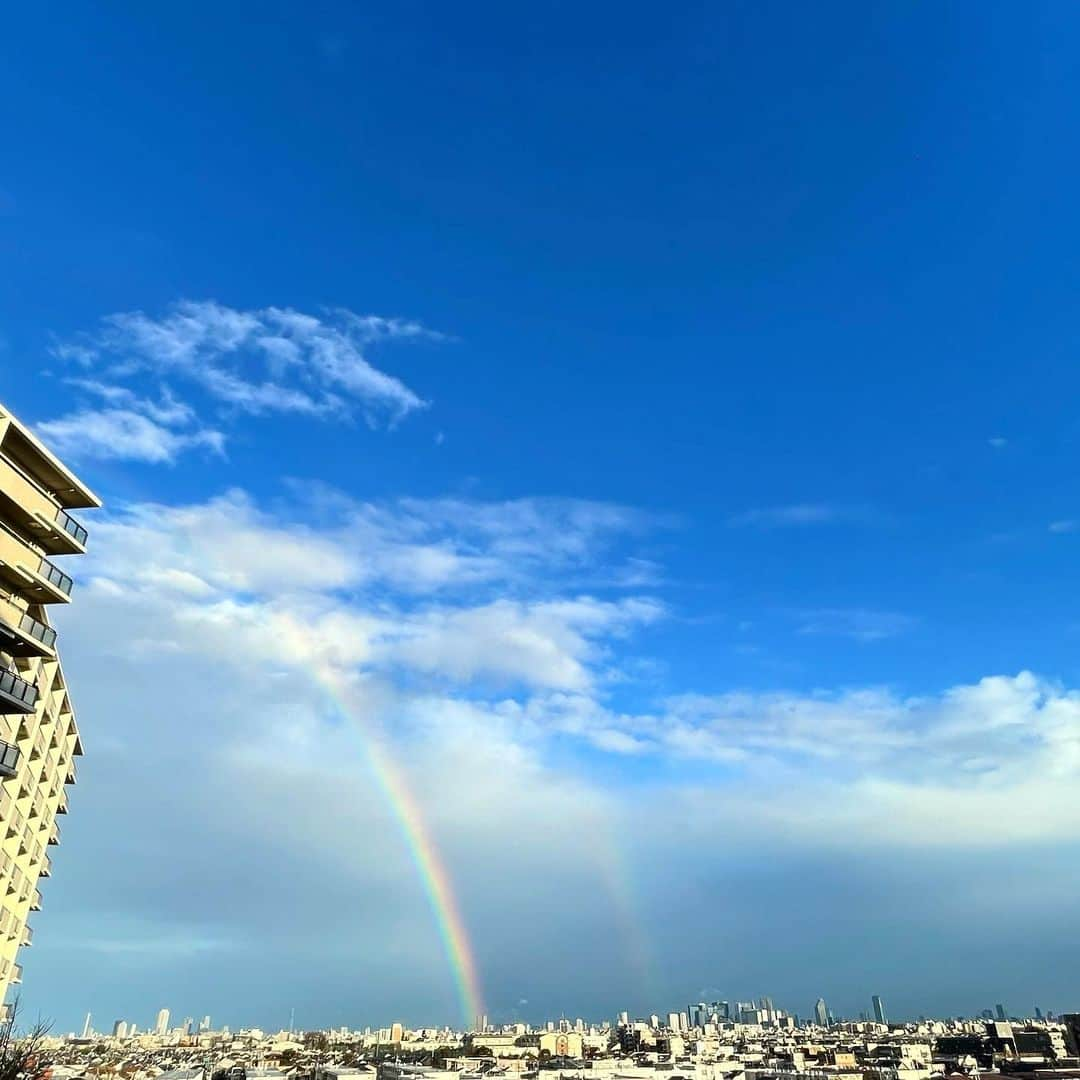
column 38, row 737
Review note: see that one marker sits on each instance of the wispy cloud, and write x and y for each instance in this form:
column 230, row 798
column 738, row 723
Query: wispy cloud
column 861, row 624
column 1064, row 526
column 794, row 515
column 254, row 362
column 124, row 434
column 998, row 442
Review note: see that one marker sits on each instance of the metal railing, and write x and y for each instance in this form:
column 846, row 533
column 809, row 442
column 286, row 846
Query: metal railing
column 45, row 634
column 15, row 687
column 56, row 576
column 9, row 759
column 71, row 527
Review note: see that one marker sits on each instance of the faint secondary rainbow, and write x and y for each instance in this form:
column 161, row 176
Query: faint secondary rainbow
column 425, row 857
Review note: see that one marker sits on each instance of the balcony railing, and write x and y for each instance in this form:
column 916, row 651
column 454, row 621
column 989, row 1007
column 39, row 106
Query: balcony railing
column 45, row 634
column 71, row 527
column 9, row 759
column 17, row 691
column 55, row 576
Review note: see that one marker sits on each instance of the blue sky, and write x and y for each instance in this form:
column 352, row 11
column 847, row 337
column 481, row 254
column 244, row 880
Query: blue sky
column 683, row 409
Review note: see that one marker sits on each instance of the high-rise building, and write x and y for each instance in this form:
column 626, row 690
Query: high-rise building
column 821, row 1013
column 204, row 1024
column 119, row 1029
column 1000, row 1010
column 162, row 1025
column 879, row 1009
column 38, row 737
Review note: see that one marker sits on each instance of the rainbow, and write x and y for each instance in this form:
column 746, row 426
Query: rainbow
column 430, row 868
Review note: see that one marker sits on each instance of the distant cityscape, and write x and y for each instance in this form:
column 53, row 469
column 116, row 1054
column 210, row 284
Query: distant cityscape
column 720, row 1040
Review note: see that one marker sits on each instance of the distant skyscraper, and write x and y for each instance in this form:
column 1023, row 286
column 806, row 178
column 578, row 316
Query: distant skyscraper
column 1000, row 1010
column 879, row 1009
column 204, row 1024
column 821, row 1013
column 86, row 1027
column 1038, row 1013
column 162, row 1025
column 119, row 1029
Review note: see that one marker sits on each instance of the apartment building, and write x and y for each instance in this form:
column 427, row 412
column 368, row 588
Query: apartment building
column 38, row 737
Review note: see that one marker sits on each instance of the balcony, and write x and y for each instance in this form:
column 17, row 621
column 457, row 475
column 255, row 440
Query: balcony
column 16, row 694
column 56, row 577
column 9, row 760
column 28, row 573
column 28, row 936
column 23, row 635
column 16, row 974
column 37, row 513
column 72, row 528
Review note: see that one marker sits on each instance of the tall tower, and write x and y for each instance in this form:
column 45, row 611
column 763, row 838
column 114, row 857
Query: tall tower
column 38, row 737
column 879, row 1009
column 162, row 1025
column 821, row 1013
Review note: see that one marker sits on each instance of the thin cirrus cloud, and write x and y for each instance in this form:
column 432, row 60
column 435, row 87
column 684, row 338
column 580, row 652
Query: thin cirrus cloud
column 255, row 362
column 796, row 515
column 860, row 624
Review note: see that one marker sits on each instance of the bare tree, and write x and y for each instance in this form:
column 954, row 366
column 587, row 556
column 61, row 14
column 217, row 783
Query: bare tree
column 20, row 1052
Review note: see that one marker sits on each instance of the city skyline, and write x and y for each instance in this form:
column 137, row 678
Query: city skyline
column 694, row 1015
column 587, row 504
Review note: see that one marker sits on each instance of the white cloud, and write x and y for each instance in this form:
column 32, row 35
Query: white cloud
column 262, row 360
column 123, row 434
column 192, row 652
column 258, row 362
column 543, row 644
